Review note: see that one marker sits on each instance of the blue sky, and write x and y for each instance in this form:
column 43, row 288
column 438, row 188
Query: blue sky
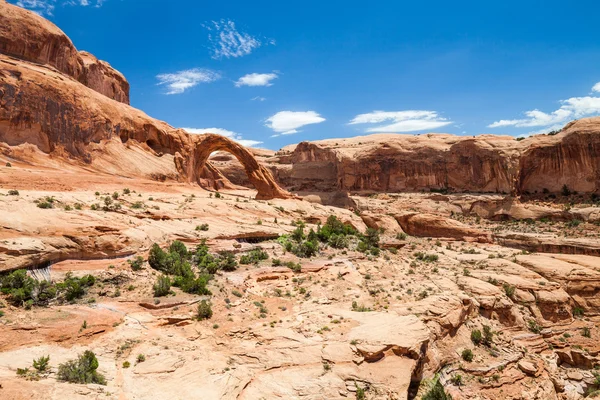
column 282, row 72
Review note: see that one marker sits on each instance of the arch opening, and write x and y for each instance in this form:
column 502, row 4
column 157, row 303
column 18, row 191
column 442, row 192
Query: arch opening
column 260, row 177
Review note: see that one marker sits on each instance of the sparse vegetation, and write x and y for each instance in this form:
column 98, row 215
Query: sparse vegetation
column 467, row 355
column 254, row 257
column 22, row 290
column 204, row 311
column 202, row 227
column 162, row 287
column 82, row 370
column 137, row 263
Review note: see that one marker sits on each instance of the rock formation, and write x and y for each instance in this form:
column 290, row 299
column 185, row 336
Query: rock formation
column 485, row 163
column 66, row 102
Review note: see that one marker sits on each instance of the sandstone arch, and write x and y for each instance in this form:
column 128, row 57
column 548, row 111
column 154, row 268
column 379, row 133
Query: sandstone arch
column 259, row 176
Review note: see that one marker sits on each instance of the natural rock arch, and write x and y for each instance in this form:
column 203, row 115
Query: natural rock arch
column 204, row 145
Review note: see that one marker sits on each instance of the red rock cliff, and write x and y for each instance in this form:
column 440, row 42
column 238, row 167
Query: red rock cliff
column 486, row 163
column 73, row 106
column 29, row 37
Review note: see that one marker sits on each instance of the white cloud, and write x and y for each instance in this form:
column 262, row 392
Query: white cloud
column 288, row 122
column 575, row 107
column 256, row 79
column 228, row 42
column 46, row 7
column 258, row 98
column 41, row 7
column 401, row 121
column 224, row 132
column 180, row 81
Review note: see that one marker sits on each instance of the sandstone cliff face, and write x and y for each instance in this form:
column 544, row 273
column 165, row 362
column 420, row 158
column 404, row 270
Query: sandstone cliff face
column 79, row 120
column 29, row 37
column 101, row 77
column 486, row 163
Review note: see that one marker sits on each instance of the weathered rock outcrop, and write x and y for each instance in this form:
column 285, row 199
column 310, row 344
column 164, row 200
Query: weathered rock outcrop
column 486, row 163
column 29, row 37
column 41, row 105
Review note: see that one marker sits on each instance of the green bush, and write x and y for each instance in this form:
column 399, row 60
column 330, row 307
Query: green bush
column 227, row 261
column 509, row 290
column 203, row 227
column 426, row 257
column 26, row 291
column 82, row 370
column 436, row 391
column 137, row 263
column 467, row 355
column 254, row 257
column 476, row 336
column 162, row 287
column 204, row 310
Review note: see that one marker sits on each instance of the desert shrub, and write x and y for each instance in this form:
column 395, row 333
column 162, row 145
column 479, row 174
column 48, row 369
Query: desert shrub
column 457, row 380
column 13, row 192
column 359, row 308
column 8, row 164
column 137, row 205
column 179, row 248
column 26, row 291
column 401, row 236
column 126, row 191
column 82, row 370
column 236, row 293
column 578, row 312
column 46, row 203
column 162, row 287
column 509, row 290
column 296, row 267
column 254, row 257
column 276, row 262
column 227, row 261
column 476, row 336
column 467, row 355
column 586, row 332
column 488, row 335
column 534, row 326
column 193, row 285
column 565, row 190
column 305, row 249
column 204, row 310
column 137, row 263
column 436, row 391
column 426, row 257
column 140, row 358
column 202, row 227
column 338, row 241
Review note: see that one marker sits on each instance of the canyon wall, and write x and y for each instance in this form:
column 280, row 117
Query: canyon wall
column 485, row 163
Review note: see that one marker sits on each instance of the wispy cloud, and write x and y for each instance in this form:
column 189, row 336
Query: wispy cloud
column 401, row 121
column 41, row 7
column 228, row 42
column 575, row 107
column 179, row 82
column 256, row 79
column 288, row 122
column 224, row 132
column 258, row 98
column 46, row 7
